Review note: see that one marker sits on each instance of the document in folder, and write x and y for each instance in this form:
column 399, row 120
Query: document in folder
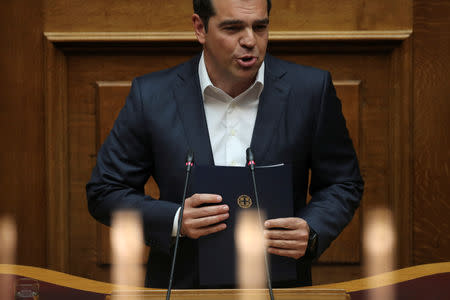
column 217, row 252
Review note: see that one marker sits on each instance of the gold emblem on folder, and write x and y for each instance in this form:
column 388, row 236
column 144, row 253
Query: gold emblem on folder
column 244, row 201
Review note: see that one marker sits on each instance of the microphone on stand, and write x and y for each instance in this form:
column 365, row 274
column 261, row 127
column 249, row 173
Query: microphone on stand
column 189, row 165
column 251, row 165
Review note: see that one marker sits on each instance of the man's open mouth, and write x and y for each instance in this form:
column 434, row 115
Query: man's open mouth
column 247, row 61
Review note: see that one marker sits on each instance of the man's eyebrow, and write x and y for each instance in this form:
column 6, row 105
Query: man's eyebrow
column 262, row 21
column 225, row 23
column 230, row 22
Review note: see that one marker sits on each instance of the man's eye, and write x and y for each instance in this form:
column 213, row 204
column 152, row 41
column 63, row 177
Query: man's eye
column 232, row 28
column 260, row 27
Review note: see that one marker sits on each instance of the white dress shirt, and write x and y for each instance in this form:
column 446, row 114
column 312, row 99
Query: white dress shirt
column 230, row 120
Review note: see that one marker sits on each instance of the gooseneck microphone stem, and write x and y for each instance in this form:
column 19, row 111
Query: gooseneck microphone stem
column 251, row 165
column 189, row 165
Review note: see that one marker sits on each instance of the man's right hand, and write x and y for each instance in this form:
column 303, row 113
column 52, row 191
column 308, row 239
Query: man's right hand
column 201, row 220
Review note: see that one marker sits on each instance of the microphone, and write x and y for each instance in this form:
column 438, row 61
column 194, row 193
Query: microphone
column 251, row 165
column 189, row 165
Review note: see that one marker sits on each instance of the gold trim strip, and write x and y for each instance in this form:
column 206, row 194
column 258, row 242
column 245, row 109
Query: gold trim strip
column 389, row 278
column 84, row 284
column 62, row 279
column 185, row 36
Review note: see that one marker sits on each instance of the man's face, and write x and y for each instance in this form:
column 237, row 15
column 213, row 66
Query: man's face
column 236, row 41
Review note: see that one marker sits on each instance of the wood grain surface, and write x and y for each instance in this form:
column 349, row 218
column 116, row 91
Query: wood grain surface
column 22, row 135
column 431, row 131
column 175, row 15
column 56, row 171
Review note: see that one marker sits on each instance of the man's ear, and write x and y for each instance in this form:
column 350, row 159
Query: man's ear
column 199, row 28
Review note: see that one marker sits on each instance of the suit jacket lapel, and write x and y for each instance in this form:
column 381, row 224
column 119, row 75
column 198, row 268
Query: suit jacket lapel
column 192, row 114
column 272, row 103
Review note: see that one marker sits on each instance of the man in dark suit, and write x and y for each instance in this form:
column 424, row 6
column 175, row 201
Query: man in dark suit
column 231, row 97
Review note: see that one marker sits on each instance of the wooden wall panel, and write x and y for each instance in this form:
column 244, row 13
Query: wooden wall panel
column 431, row 131
column 106, row 15
column 22, row 135
column 56, row 138
column 174, row 15
column 299, row 15
column 365, row 74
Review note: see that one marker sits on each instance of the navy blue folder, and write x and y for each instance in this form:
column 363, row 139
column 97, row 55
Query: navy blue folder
column 216, row 252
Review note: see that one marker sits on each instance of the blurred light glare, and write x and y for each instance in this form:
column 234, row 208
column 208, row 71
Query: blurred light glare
column 127, row 247
column 8, row 240
column 379, row 244
column 250, row 247
column 8, row 245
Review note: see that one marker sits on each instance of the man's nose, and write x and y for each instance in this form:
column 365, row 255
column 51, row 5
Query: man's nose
column 248, row 38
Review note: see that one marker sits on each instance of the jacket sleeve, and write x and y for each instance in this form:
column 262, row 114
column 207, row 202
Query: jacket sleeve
column 336, row 184
column 124, row 164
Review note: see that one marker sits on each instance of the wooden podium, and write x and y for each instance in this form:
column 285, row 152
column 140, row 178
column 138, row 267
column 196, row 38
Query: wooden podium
column 227, row 294
column 430, row 281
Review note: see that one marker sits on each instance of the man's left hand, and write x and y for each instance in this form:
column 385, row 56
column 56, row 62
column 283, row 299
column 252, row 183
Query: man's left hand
column 287, row 236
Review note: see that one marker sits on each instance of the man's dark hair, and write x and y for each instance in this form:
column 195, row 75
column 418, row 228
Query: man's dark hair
column 205, row 9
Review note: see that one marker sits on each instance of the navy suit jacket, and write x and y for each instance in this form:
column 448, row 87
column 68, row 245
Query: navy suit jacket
column 299, row 121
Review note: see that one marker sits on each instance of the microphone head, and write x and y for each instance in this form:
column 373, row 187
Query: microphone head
column 189, row 160
column 190, row 157
column 250, row 159
column 249, row 154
